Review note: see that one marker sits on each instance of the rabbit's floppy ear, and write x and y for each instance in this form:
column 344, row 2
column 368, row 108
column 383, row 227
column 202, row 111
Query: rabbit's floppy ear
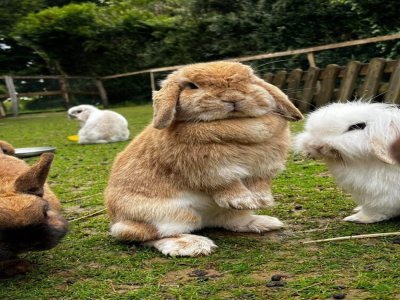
column 284, row 106
column 32, row 181
column 164, row 102
column 380, row 144
column 381, row 151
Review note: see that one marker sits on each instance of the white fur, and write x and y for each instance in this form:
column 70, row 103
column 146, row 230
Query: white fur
column 184, row 245
column 99, row 126
column 209, row 215
column 369, row 175
column 232, row 172
column 118, row 228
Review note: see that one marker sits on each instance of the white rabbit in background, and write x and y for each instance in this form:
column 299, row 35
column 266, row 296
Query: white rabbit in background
column 99, row 126
column 354, row 139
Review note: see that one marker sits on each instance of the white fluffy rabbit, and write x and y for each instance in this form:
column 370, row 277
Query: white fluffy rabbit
column 99, row 126
column 354, row 140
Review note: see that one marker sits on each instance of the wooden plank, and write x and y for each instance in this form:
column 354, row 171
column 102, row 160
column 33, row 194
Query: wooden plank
column 37, row 77
column 393, row 93
column 268, row 77
column 311, row 59
column 56, row 77
column 84, row 93
column 323, row 47
column 309, row 89
column 280, row 79
column 364, row 69
column 2, row 110
column 274, row 54
column 390, row 66
column 153, row 83
column 349, row 81
column 328, row 85
column 13, row 94
column 64, row 91
column 102, row 92
column 42, row 93
column 372, row 80
column 294, row 81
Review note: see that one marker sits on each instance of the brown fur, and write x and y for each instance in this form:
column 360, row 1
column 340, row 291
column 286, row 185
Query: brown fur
column 26, row 202
column 232, row 120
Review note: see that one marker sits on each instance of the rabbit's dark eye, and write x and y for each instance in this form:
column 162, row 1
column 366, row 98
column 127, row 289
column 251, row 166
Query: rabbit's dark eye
column 191, row 86
column 358, row 126
column 78, row 111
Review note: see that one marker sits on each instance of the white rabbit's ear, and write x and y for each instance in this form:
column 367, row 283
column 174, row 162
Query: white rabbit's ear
column 164, row 103
column 283, row 105
column 381, row 151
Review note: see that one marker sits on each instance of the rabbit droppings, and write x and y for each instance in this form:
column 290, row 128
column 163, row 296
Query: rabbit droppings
column 354, row 139
column 30, row 217
column 218, row 137
column 99, row 126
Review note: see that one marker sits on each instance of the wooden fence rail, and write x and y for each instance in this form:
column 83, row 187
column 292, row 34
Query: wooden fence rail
column 64, row 90
column 316, row 87
column 308, row 89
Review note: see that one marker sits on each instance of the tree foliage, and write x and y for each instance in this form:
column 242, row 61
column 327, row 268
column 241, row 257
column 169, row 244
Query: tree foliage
column 102, row 37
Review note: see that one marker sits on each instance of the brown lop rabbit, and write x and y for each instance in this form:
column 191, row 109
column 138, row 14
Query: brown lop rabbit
column 219, row 135
column 29, row 211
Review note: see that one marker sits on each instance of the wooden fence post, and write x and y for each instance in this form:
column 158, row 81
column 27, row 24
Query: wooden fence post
column 373, row 79
column 329, row 76
column 2, row 110
column 294, row 81
column 153, row 84
column 13, row 94
column 280, row 79
column 268, row 77
column 311, row 59
column 349, row 81
column 102, row 92
column 64, row 91
column 393, row 92
column 309, row 88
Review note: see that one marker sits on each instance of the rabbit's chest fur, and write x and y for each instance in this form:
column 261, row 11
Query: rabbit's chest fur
column 369, row 182
column 155, row 157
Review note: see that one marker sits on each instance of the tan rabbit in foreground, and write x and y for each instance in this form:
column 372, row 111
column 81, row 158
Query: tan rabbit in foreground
column 219, row 136
column 29, row 212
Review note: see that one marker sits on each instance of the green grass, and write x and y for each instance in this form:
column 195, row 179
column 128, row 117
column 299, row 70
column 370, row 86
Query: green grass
column 89, row 264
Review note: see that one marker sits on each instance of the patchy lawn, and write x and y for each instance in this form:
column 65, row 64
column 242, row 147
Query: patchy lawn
column 89, row 264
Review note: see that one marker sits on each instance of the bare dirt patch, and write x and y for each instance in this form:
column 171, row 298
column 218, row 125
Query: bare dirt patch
column 188, row 275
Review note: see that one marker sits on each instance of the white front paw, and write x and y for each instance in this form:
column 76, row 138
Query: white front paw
column 250, row 201
column 264, row 199
column 245, row 201
column 264, row 223
column 184, row 245
column 363, row 218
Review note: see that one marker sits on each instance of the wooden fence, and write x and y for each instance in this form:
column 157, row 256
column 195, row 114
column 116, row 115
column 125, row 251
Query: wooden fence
column 316, row 87
column 64, row 91
column 307, row 89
